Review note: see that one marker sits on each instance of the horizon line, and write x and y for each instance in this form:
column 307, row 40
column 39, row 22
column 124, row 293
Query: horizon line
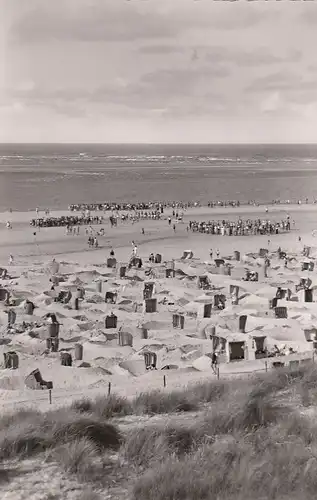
column 164, row 143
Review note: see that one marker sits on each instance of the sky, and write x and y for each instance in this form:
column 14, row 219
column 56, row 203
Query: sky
column 158, row 71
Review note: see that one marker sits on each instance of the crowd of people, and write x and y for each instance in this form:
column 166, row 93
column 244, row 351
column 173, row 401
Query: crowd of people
column 237, row 203
column 66, row 220
column 160, row 206
column 241, row 227
column 223, row 203
column 138, row 206
column 143, row 215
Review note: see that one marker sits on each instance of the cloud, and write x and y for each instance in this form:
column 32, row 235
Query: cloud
column 172, row 61
column 238, row 57
column 226, row 16
column 161, row 49
column 309, row 16
column 282, row 80
column 271, row 103
column 89, row 22
column 120, row 20
column 184, row 78
column 170, row 88
column 152, row 90
column 260, row 56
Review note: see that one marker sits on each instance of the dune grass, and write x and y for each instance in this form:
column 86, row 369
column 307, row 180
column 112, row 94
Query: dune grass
column 233, row 469
column 89, row 495
column 76, row 457
column 251, row 443
column 274, row 461
column 155, row 443
column 104, row 406
column 152, row 444
column 157, row 402
column 247, row 439
column 38, row 432
column 194, row 397
column 153, row 402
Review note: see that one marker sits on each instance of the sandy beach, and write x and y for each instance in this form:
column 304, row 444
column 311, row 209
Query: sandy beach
column 187, row 351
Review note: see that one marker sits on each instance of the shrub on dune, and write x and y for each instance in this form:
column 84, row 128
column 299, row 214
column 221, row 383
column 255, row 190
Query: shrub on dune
column 284, row 378
column 77, row 457
column 83, row 405
column 145, row 445
column 111, row 406
column 29, row 436
column 160, row 402
column 11, row 418
column 88, row 495
column 104, row 406
column 232, row 468
column 207, row 392
column 22, row 440
column 68, row 426
column 150, row 444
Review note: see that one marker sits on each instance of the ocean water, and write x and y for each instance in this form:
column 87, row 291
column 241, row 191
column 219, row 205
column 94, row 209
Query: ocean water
column 57, row 175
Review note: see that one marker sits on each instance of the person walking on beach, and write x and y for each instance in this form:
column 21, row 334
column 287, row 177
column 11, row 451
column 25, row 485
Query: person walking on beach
column 210, row 253
column 11, row 260
column 214, row 361
column 217, row 253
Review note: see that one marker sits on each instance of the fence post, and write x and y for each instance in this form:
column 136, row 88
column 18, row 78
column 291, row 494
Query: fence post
column 164, row 380
column 50, row 396
column 218, row 373
column 266, row 366
column 109, row 388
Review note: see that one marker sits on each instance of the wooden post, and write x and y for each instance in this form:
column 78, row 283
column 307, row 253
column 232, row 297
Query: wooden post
column 50, row 396
column 266, row 366
column 109, row 388
column 164, row 380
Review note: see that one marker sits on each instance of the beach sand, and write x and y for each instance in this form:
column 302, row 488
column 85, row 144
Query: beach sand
column 123, row 366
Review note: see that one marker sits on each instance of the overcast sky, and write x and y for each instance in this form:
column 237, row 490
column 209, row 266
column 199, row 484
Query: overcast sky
column 158, row 71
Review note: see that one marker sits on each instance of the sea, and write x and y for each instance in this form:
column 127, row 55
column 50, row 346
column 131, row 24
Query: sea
column 57, row 175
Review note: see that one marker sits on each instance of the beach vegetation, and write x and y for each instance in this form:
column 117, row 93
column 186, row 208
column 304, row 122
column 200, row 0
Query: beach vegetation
column 238, row 439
